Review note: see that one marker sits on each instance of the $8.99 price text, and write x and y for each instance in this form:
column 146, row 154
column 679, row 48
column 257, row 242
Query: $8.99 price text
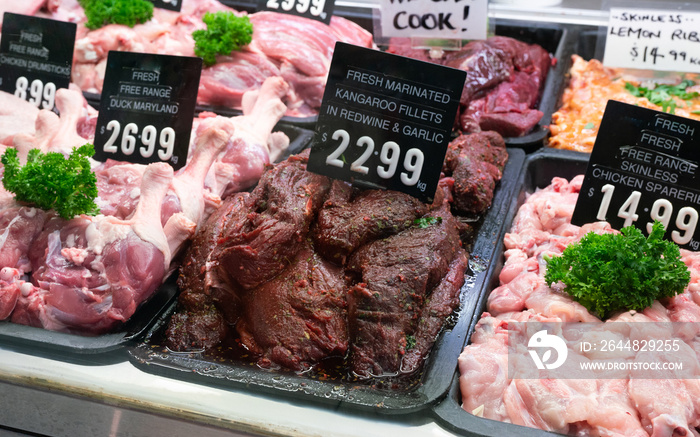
column 42, row 95
column 389, row 155
column 148, row 136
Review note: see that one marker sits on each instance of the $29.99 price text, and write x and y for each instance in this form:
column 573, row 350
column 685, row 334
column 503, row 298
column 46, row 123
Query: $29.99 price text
column 314, row 7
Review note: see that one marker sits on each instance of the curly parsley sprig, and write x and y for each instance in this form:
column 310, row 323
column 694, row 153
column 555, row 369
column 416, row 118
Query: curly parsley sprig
column 128, row 12
column 225, row 33
column 51, row 181
column 618, row 272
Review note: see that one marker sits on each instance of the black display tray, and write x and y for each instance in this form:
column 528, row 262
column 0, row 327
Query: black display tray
column 40, row 340
column 538, row 171
column 558, row 40
column 339, row 393
column 29, row 339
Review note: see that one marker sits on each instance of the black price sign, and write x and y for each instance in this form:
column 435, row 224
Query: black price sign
column 644, row 167
column 173, row 5
column 147, row 107
column 36, row 55
column 321, row 10
column 385, row 121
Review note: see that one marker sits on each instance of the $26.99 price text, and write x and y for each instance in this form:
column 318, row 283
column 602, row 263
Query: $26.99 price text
column 149, row 138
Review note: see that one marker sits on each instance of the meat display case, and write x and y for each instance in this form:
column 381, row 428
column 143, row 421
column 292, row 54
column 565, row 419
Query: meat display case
column 49, row 393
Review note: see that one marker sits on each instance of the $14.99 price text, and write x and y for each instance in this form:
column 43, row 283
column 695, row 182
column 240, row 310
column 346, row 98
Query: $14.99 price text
column 661, row 210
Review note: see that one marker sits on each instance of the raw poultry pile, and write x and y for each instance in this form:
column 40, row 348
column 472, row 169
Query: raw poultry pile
column 575, row 125
column 304, row 268
column 621, row 405
column 88, row 274
column 294, row 48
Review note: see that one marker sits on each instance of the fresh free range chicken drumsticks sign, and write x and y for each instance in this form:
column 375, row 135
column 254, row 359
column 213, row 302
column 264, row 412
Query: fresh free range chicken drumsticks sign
column 36, row 55
column 385, row 121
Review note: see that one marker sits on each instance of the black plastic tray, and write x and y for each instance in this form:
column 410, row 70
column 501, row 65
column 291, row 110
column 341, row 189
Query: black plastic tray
column 538, row 171
column 40, row 340
column 37, row 340
column 558, row 40
column 436, row 374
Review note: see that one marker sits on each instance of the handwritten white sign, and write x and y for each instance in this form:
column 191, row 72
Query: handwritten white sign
column 653, row 39
column 448, row 19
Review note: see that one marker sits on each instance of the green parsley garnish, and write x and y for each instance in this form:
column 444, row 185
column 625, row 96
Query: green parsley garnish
column 51, row 181
column 225, row 33
column 589, row 125
column 425, row 222
column 663, row 95
column 618, row 272
column 128, row 12
column 410, row 342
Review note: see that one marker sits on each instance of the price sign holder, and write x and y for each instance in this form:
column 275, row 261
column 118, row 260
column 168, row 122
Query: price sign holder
column 172, row 5
column 321, row 10
column 651, row 36
column 644, row 167
column 147, row 107
column 36, row 55
column 433, row 19
column 385, row 121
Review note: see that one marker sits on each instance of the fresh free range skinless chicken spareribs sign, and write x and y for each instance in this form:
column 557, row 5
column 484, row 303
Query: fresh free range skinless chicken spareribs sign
column 644, row 167
column 385, row 121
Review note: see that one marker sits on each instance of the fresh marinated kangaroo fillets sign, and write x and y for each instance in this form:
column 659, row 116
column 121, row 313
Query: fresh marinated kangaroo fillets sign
column 385, row 121
column 147, row 108
column 644, row 167
column 36, row 55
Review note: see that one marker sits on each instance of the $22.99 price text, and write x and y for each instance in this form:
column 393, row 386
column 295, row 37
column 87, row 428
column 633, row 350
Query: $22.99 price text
column 389, row 156
column 661, row 210
column 149, row 138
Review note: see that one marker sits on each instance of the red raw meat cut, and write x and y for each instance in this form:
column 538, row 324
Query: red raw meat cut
column 504, row 81
column 90, row 273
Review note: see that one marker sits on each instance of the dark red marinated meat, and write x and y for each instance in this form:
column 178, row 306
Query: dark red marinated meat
column 284, row 204
column 475, row 162
column 207, row 301
column 350, row 219
column 303, row 269
column 394, row 279
column 299, row 317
